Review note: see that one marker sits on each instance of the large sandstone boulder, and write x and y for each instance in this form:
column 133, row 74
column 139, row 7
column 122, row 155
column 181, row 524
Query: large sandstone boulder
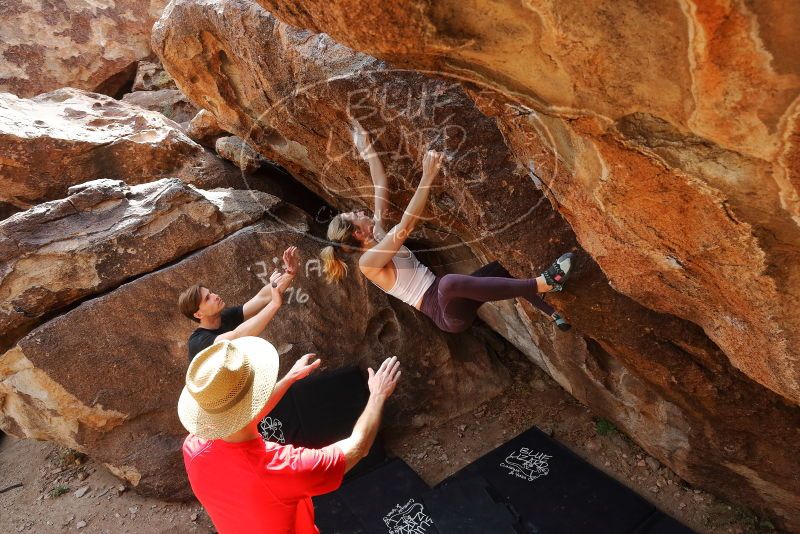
column 132, row 343
column 728, row 72
column 88, row 45
column 103, row 234
column 705, row 143
column 522, row 187
column 68, row 137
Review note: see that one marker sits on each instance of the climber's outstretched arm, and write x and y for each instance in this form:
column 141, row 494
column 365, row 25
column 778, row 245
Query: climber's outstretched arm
column 376, row 258
column 367, row 151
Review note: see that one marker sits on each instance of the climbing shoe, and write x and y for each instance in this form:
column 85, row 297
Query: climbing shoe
column 557, row 274
column 561, row 323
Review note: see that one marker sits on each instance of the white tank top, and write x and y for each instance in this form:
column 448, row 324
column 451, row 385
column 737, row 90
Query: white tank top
column 413, row 278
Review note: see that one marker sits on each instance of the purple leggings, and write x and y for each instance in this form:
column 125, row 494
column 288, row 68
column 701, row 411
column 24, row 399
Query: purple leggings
column 453, row 300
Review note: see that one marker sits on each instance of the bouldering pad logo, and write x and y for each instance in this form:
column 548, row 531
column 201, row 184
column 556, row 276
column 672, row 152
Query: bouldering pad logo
column 271, row 429
column 409, row 518
column 526, row 464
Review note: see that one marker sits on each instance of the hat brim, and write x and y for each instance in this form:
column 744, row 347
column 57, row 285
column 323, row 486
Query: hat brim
column 264, row 362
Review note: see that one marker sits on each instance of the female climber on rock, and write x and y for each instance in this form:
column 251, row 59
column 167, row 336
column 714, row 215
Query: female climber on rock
column 451, row 301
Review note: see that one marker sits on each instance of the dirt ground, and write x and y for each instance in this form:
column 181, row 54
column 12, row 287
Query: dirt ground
column 65, row 492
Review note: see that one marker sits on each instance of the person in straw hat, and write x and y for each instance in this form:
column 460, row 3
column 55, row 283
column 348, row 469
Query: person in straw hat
column 248, row 485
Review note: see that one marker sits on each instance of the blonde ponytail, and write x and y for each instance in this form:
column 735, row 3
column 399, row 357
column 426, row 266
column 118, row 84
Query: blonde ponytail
column 333, row 268
column 339, row 232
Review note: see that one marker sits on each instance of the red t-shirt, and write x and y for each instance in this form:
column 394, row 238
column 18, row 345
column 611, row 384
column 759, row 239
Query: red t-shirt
column 260, row 487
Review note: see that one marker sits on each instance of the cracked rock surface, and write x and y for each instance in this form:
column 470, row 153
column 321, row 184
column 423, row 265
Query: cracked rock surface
column 669, row 178
column 67, row 137
column 104, row 233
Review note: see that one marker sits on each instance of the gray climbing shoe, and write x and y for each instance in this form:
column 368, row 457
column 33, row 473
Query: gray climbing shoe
column 560, row 322
column 556, row 275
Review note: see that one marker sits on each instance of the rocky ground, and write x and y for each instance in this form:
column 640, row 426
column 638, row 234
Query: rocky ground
column 62, row 491
column 65, row 492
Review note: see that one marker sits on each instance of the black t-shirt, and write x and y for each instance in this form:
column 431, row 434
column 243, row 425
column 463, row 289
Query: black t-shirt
column 203, row 338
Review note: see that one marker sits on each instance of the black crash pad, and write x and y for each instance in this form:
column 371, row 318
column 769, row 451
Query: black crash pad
column 389, row 500
column 555, row 491
column 320, row 410
column 394, row 500
column 660, row 523
column 332, row 516
column 530, row 485
column 467, row 506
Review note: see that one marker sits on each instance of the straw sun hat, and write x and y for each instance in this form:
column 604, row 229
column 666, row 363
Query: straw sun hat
column 227, row 385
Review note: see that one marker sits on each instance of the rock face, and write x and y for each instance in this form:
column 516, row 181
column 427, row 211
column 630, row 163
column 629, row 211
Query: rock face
column 126, row 415
column 169, row 102
column 151, row 76
column 727, row 72
column 103, row 234
column 721, row 142
column 204, row 129
column 235, row 150
column 684, row 303
column 68, row 137
column 87, row 45
column 708, row 122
